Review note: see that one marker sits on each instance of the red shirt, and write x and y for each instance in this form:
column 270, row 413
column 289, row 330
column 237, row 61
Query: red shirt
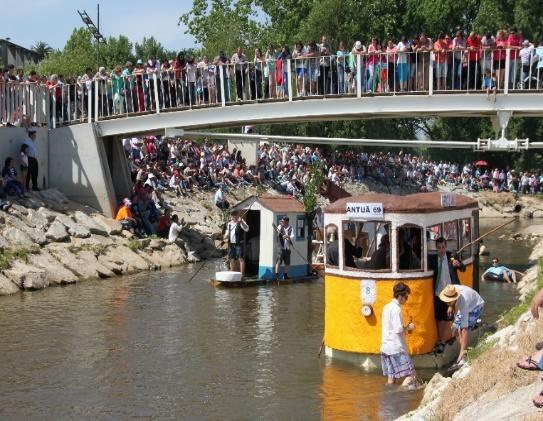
column 475, row 43
column 439, row 47
column 514, row 40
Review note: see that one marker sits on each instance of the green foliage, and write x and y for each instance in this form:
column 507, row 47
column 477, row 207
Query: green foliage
column 9, row 255
column 116, row 52
column 135, row 245
column 313, row 188
column 151, row 48
column 42, row 48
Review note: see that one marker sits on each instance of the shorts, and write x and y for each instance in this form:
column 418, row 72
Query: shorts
column 313, row 73
column 441, row 69
column 300, row 71
column 236, row 251
column 397, row 366
column 283, row 256
column 403, row 71
column 473, row 318
column 440, row 310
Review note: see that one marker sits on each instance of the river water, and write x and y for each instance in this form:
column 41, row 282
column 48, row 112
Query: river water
column 156, row 346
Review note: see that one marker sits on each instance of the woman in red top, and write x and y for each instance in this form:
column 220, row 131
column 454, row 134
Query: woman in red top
column 499, row 57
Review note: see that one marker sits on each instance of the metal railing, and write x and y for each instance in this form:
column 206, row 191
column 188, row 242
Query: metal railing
column 199, row 85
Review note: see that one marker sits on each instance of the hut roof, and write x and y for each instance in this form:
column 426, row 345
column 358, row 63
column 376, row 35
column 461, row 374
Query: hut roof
column 411, row 203
column 277, row 204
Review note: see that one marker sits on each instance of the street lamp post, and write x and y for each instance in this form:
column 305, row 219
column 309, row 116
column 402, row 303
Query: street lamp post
column 94, row 30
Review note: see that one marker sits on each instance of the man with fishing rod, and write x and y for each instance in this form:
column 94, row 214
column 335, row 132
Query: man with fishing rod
column 285, row 237
column 234, row 235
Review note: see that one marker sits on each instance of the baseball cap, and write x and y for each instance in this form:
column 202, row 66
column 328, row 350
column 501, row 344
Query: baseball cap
column 358, row 45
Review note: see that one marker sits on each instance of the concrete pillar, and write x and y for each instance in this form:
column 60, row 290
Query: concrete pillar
column 118, row 166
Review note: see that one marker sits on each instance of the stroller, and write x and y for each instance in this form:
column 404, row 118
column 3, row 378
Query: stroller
column 530, row 76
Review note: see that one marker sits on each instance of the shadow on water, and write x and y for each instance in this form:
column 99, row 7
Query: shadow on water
column 155, row 346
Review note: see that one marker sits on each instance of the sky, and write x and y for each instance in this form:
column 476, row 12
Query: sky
column 53, row 21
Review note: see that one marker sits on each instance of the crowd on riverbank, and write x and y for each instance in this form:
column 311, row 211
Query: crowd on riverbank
column 188, row 168
column 461, row 61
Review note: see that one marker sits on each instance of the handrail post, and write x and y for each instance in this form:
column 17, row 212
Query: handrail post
column 156, row 94
column 89, row 102
column 54, row 107
column 96, row 113
column 221, row 76
column 289, row 81
column 507, row 62
column 431, row 74
column 358, row 76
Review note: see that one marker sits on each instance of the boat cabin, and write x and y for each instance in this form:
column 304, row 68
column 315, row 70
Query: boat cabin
column 261, row 245
column 373, row 241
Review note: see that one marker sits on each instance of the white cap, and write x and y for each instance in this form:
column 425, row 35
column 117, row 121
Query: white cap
column 358, row 45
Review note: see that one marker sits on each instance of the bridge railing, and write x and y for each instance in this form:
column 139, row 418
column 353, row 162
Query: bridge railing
column 202, row 85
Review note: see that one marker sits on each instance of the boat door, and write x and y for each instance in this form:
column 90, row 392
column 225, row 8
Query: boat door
column 252, row 243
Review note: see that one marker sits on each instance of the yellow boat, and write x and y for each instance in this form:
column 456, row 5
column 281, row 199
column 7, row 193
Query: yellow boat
column 357, row 288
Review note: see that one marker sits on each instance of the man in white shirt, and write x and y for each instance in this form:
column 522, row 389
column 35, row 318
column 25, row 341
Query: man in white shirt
column 236, row 244
column 175, row 228
column 32, row 153
column 285, row 238
column 394, row 357
column 466, row 305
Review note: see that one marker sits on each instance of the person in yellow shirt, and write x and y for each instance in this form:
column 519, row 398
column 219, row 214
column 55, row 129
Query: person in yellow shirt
column 125, row 217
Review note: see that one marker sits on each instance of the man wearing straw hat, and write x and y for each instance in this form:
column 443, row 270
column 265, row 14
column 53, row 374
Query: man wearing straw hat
column 395, row 360
column 466, row 305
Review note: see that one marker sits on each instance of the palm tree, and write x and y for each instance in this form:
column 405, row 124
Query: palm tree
column 42, row 48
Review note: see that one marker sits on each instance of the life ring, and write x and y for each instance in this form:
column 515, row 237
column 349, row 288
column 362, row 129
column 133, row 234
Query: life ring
column 493, row 277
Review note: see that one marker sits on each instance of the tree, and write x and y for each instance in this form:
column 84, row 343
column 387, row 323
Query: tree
column 42, row 49
column 116, row 52
column 150, row 48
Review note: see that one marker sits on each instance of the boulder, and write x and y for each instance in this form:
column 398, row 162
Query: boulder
column 89, row 223
column 49, row 214
column 57, row 233
column 172, row 255
column 19, row 209
column 16, row 236
column 55, row 272
column 92, row 241
column 74, row 229
column 7, row 287
column 36, row 235
column 122, row 260
column 157, row 244
column 37, row 219
column 111, row 226
column 54, row 195
column 26, row 276
column 84, row 264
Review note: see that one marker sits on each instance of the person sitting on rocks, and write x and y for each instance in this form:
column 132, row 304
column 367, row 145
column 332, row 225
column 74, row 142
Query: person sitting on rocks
column 4, row 203
column 499, row 273
column 125, row 217
column 12, row 184
column 164, row 224
column 175, row 228
column 220, row 199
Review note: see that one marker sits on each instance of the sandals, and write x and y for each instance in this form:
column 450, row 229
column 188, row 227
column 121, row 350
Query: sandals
column 538, row 400
column 529, row 364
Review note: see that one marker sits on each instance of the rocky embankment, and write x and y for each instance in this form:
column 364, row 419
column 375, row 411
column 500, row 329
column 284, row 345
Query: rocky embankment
column 491, row 387
column 48, row 240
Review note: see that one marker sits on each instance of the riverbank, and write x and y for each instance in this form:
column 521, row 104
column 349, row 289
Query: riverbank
column 491, row 387
column 48, row 240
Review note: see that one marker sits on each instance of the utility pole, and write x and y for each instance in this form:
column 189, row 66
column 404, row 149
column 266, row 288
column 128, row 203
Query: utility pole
column 94, row 30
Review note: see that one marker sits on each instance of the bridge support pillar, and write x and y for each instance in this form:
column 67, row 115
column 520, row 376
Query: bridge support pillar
column 500, row 122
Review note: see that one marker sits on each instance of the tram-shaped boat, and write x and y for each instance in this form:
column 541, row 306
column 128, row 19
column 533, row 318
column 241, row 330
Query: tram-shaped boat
column 373, row 241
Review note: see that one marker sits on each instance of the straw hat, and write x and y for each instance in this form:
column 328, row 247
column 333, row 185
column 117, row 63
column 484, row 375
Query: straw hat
column 449, row 294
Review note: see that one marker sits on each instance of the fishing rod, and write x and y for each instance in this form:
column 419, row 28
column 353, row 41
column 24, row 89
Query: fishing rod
column 198, row 271
column 485, row 234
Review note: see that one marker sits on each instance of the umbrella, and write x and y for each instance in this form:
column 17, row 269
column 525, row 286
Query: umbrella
column 481, row 163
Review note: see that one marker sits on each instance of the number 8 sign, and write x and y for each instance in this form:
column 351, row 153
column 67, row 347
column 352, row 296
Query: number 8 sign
column 368, row 292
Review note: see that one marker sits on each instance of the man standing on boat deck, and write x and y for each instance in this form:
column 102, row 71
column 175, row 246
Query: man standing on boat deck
column 285, row 237
column 234, row 236
column 395, row 360
column 445, row 273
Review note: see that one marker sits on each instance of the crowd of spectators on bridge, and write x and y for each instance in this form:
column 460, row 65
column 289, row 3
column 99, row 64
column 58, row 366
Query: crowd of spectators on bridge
column 462, row 61
column 188, row 169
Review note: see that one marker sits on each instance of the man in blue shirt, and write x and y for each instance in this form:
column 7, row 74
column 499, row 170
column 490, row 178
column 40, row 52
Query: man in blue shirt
column 220, row 200
column 499, row 273
column 32, row 153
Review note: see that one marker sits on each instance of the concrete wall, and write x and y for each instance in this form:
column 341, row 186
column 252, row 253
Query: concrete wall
column 11, row 139
column 79, row 167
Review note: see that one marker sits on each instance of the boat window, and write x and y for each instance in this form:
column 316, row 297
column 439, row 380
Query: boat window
column 300, row 228
column 450, row 233
column 432, row 234
column 366, row 245
column 409, row 248
column 331, row 245
column 465, row 236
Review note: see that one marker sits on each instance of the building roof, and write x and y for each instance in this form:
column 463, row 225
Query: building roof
column 411, row 203
column 277, row 204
